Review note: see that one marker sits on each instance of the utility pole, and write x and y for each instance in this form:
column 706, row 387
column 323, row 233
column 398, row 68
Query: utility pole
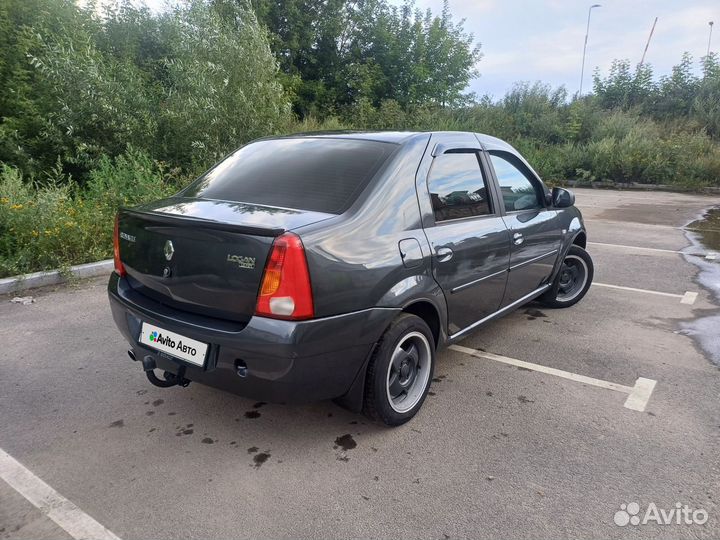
column 642, row 60
column 710, row 37
column 587, row 31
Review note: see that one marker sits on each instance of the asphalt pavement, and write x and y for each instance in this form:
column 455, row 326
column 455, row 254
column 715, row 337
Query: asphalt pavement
column 540, row 425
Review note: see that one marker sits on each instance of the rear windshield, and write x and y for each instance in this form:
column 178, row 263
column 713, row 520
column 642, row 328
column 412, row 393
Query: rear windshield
column 323, row 175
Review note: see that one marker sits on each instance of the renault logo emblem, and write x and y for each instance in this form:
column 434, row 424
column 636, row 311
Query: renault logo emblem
column 169, row 249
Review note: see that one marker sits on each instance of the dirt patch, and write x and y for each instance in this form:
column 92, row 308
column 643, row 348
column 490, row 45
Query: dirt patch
column 649, row 214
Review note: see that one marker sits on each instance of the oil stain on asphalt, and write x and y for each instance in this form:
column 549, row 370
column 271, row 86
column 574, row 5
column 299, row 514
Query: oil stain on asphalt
column 252, row 414
column 345, row 442
column 259, row 459
column 533, row 314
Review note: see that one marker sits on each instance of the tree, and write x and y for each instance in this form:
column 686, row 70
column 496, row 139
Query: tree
column 676, row 92
column 624, row 88
column 28, row 138
column 335, row 52
column 221, row 85
column 186, row 86
column 706, row 103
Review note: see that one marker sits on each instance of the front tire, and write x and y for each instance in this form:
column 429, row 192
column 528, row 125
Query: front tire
column 400, row 371
column 573, row 280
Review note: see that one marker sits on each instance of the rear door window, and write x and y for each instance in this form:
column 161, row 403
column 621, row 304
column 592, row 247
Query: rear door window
column 457, row 187
column 319, row 174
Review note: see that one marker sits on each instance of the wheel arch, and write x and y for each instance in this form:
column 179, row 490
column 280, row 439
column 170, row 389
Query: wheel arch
column 427, row 311
column 580, row 239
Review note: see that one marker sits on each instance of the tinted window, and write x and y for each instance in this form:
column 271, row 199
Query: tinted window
column 518, row 188
column 457, row 187
column 324, row 175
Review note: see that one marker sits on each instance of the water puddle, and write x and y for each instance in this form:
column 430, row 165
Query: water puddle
column 708, row 229
column 704, row 235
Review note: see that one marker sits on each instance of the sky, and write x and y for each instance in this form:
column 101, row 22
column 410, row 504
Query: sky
column 535, row 40
column 543, row 40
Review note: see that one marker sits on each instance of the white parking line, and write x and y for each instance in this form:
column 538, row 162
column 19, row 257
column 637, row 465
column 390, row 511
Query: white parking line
column 639, row 395
column 687, row 298
column 625, row 224
column 624, row 246
column 68, row 516
column 709, row 256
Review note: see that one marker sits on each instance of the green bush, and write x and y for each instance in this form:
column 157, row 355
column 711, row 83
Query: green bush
column 55, row 224
column 40, row 226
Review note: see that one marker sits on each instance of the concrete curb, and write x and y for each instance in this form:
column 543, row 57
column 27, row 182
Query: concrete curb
column 641, row 187
column 54, row 277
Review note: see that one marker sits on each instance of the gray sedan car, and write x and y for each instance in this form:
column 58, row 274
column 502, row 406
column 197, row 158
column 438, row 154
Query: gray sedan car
column 336, row 265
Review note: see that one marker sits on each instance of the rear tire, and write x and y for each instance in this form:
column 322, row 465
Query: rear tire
column 573, row 280
column 400, row 371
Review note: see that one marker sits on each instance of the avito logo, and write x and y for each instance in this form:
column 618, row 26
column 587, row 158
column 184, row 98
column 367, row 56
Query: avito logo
column 162, row 340
column 154, row 337
column 630, row 514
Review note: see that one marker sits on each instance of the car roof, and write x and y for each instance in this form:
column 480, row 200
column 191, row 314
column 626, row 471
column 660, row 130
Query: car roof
column 399, row 137
column 396, row 137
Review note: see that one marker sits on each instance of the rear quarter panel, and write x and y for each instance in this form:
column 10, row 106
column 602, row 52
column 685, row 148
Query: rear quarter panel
column 354, row 259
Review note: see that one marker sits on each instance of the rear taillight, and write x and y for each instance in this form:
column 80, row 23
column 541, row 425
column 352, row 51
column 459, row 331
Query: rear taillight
column 285, row 291
column 119, row 268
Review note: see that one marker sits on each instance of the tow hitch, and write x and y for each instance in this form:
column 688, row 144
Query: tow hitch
column 169, row 379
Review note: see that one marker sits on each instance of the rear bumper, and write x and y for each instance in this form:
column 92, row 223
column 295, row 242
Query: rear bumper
column 287, row 361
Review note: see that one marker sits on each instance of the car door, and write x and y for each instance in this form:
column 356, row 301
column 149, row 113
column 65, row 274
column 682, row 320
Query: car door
column 469, row 242
column 534, row 228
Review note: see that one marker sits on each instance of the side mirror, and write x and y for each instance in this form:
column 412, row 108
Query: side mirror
column 562, row 198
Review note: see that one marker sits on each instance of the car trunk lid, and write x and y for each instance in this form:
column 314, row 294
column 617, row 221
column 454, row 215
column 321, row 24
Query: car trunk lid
column 203, row 256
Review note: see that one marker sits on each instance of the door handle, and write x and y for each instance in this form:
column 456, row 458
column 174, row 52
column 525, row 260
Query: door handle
column 443, row 254
column 518, row 239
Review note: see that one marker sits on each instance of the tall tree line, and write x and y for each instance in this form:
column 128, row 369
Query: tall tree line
column 189, row 84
